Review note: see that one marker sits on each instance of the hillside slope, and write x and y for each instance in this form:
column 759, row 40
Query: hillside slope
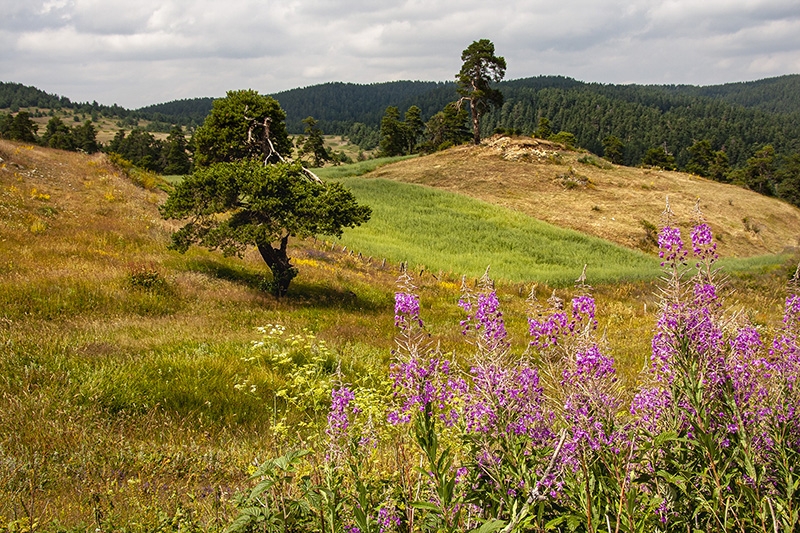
column 134, row 392
column 617, row 203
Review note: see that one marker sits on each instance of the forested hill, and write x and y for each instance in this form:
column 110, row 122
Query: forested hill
column 737, row 118
column 338, row 105
column 773, row 95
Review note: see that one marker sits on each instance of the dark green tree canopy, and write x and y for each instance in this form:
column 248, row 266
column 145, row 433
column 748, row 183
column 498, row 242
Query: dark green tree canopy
column 393, row 141
column 18, row 127
column 234, row 205
column 446, row 128
column 614, row 149
column 58, row 135
column 86, row 137
column 243, row 125
column 175, row 157
column 659, row 157
column 701, row 157
column 759, row 174
column 314, row 144
column 481, row 67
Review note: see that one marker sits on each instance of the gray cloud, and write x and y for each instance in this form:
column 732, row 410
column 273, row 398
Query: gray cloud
column 147, row 51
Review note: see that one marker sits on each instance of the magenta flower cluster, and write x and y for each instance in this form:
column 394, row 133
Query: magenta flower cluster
column 670, row 246
column 703, row 246
column 339, row 421
column 419, row 384
column 486, row 322
column 505, row 400
column 548, row 332
column 717, row 397
column 406, row 310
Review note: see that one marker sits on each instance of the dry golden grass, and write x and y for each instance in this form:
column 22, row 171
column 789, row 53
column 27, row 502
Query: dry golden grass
column 545, row 181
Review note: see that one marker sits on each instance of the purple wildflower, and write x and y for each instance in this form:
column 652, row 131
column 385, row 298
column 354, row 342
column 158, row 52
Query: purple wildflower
column 546, row 333
column 406, row 310
column 703, row 245
column 339, row 421
column 387, row 519
column 649, row 406
column 487, row 322
column 791, row 314
column 705, row 294
column 419, row 384
column 592, row 406
column 590, row 363
column 670, row 246
column 584, row 306
column 505, row 401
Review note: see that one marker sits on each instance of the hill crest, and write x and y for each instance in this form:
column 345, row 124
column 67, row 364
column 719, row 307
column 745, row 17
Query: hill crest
column 583, row 192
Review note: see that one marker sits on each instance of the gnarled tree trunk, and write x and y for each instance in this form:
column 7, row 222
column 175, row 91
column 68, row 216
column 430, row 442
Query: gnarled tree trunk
column 278, row 262
column 476, row 122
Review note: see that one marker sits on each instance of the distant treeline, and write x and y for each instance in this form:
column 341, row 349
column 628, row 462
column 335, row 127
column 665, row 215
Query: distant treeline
column 188, row 113
column 739, row 118
column 138, row 147
column 747, row 133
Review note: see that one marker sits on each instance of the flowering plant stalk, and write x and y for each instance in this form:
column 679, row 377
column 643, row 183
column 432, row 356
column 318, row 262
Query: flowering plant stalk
column 551, row 440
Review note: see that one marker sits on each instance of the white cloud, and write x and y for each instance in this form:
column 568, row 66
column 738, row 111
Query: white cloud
column 148, row 51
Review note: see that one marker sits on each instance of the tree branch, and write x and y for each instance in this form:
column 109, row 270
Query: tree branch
column 267, row 142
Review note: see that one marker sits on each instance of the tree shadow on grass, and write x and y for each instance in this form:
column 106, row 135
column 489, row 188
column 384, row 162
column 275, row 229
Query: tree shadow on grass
column 301, row 294
column 239, row 275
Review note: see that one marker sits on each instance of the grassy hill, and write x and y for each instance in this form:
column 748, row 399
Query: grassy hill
column 132, row 395
column 452, row 233
column 585, row 193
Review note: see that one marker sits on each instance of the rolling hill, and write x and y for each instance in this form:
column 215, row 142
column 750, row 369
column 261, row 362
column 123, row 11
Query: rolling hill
column 620, row 204
column 135, row 388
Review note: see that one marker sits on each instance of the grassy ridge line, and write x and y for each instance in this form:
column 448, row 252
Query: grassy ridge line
column 453, row 233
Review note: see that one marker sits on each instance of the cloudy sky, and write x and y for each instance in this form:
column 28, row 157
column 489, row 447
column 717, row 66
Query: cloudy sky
column 141, row 52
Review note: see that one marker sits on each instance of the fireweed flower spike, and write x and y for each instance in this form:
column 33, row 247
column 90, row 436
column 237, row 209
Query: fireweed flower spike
column 486, row 321
column 703, row 245
column 670, row 247
column 406, row 310
column 339, row 422
column 420, row 378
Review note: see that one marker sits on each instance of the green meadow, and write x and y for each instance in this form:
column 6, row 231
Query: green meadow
column 447, row 232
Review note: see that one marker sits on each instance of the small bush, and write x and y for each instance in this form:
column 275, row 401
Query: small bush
column 595, row 162
column 147, row 278
column 572, row 180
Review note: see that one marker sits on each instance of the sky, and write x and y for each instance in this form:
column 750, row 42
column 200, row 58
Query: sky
column 141, row 52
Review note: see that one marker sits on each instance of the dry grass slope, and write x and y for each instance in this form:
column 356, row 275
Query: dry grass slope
column 582, row 192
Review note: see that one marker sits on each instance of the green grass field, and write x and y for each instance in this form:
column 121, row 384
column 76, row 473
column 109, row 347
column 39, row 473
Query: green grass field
column 453, row 233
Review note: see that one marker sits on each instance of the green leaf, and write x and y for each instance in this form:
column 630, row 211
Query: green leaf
column 493, row 524
column 427, row 506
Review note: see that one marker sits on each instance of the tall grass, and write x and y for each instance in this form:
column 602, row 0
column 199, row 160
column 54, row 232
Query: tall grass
column 452, row 233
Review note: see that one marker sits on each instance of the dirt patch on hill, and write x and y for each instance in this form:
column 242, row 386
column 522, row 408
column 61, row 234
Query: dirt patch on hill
column 586, row 193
